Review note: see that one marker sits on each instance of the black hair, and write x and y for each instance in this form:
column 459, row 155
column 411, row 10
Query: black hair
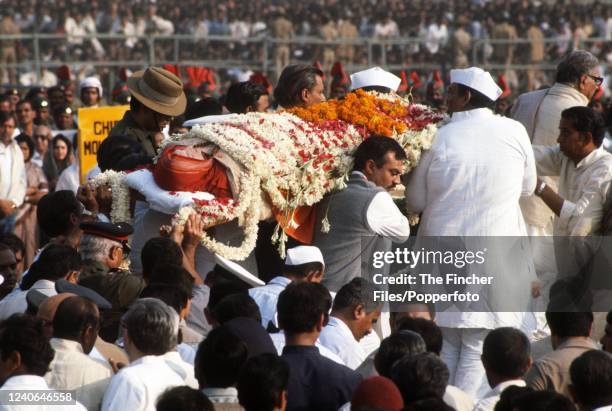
column 543, row 401
column 506, row 352
column 591, row 375
column 24, row 101
column 55, row 262
column 569, row 324
column 242, row 96
column 221, row 290
column 234, row 306
column 175, row 276
column 395, row 347
column 73, row 316
column 27, row 140
column 262, row 381
column 292, row 81
column 24, row 334
column 172, row 296
column 208, row 106
column 157, row 251
column 301, row 305
column 115, row 150
column 586, row 120
column 378, row 89
column 429, row 404
column 477, row 99
column 185, row 399
column 509, row 396
column 358, row 291
column 66, row 141
column 420, row 376
column 609, row 317
column 54, row 210
column 427, row 329
column 14, row 242
column 302, row 270
column 220, row 359
column 376, row 148
column 135, row 104
column 4, row 116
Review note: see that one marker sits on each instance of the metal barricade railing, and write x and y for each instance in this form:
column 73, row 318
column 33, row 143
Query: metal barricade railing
column 217, row 52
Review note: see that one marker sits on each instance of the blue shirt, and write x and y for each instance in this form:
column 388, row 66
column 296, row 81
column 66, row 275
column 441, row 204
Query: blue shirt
column 316, row 382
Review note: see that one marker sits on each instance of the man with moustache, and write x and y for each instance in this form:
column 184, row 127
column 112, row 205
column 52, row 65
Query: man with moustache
column 157, row 97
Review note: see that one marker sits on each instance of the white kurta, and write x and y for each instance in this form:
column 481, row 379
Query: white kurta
column 266, row 298
column 138, row 386
column 338, row 338
column 34, row 383
column 487, row 403
column 583, row 186
column 470, row 182
column 16, row 301
column 72, row 369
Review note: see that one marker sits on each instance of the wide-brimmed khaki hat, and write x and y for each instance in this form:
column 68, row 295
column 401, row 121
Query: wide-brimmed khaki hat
column 159, row 90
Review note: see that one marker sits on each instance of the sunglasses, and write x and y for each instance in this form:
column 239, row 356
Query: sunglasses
column 596, row 79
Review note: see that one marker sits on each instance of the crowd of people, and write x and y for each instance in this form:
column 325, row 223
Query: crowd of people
column 168, row 333
column 448, row 31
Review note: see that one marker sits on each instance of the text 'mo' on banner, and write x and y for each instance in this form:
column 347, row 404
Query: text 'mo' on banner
column 95, row 125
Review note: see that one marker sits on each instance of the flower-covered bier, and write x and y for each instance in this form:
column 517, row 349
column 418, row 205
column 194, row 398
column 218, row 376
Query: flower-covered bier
column 291, row 159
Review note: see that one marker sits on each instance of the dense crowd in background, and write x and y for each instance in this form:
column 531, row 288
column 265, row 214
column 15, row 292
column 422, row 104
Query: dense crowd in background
column 447, row 31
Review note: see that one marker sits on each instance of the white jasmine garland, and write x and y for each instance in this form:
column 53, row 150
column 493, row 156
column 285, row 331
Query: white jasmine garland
column 120, row 209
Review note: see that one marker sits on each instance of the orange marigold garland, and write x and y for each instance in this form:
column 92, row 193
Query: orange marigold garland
column 361, row 109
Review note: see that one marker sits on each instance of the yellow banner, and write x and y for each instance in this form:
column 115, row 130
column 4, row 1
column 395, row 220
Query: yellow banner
column 95, row 125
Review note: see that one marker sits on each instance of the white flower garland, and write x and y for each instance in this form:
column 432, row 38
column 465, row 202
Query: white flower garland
column 293, row 161
column 120, row 211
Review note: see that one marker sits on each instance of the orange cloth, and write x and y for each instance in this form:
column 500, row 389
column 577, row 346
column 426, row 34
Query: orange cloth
column 305, row 219
column 175, row 171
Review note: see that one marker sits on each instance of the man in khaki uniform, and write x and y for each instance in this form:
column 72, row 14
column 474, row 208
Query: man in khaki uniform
column 536, row 53
column 461, row 43
column 347, row 30
column 503, row 30
column 282, row 29
column 157, row 97
column 7, row 47
column 328, row 32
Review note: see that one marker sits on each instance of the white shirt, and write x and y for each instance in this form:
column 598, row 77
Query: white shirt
column 72, row 369
column 469, row 183
column 181, row 367
column 584, row 188
column 338, row 338
column 16, row 301
column 13, row 183
column 33, row 382
column 266, row 298
column 458, row 399
column 487, row 403
column 138, row 385
column 69, row 179
column 384, row 218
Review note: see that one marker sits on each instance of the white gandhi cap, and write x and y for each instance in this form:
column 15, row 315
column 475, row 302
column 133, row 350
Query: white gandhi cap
column 375, row 76
column 304, row 254
column 477, row 79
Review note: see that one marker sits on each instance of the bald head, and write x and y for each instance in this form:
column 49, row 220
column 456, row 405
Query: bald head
column 48, row 307
column 77, row 319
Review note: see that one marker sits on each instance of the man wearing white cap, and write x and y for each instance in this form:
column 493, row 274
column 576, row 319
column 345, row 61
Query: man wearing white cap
column 469, row 184
column 90, row 92
column 375, row 79
column 302, row 263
